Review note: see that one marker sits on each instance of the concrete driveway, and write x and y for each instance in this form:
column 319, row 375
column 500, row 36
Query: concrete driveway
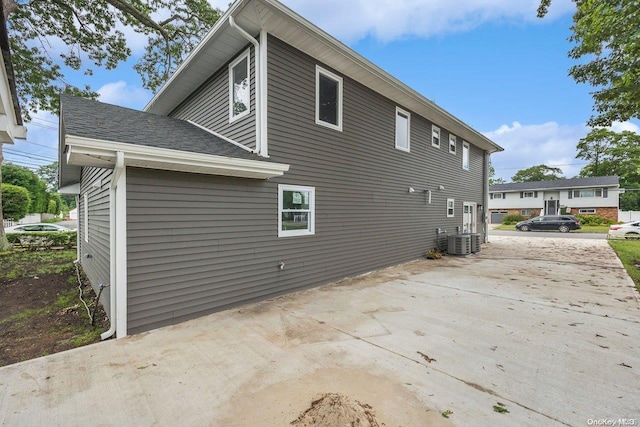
column 548, row 329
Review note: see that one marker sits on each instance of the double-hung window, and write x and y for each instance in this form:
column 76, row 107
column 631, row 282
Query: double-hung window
column 452, row 144
column 465, row 155
column 239, row 87
column 328, row 99
column 451, row 208
column 296, row 210
column 403, row 129
column 435, row 136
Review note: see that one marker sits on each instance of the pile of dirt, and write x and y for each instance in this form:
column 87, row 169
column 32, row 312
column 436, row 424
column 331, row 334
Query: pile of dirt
column 335, row 409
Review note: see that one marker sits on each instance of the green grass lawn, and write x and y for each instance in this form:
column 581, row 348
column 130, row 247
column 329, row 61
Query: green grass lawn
column 603, row 229
column 629, row 253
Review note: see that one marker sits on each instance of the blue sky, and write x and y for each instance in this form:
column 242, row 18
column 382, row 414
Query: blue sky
column 491, row 63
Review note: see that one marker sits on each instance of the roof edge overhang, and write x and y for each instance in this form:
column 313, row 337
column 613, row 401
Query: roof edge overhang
column 80, row 151
column 571, row 187
column 278, row 20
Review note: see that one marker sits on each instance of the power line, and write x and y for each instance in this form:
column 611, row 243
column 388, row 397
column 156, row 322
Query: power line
column 42, row 126
column 44, row 120
column 553, row 166
column 29, row 155
column 39, row 145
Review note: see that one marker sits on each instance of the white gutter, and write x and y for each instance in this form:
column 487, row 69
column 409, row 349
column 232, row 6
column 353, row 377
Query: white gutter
column 113, row 224
column 257, row 66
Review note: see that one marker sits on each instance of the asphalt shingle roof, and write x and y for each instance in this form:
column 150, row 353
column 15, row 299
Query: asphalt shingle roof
column 595, row 181
column 92, row 119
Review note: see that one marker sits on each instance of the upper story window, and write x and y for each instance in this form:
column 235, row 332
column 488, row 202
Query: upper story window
column 527, row 194
column 496, row 195
column 328, row 99
column 465, row 155
column 435, row 136
column 590, row 192
column 239, row 87
column 296, row 210
column 452, row 144
column 403, row 129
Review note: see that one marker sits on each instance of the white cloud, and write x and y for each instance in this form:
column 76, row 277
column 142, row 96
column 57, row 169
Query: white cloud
column 548, row 143
column 622, row 126
column 121, row 93
column 388, row 20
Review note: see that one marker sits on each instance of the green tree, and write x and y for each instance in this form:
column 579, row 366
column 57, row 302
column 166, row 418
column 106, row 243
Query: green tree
column 492, row 179
column 24, row 177
column 611, row 153
column 605, row 33
column 538, row 173
column 15, row 201
column 49, row 174
column 91, row 30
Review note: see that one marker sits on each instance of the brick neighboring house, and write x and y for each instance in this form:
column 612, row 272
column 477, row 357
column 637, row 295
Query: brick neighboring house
column 584, row 196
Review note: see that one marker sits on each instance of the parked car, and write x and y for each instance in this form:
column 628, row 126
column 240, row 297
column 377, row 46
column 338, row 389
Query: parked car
column 28, row 228
column 562, row 223
column 629, row 230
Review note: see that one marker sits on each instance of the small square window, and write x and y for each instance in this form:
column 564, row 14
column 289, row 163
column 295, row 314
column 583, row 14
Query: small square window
column 527, row 194
column 435, row 136
column 451, row 208
column 452, row 144
column 496, row 195
column 328, row 99
column 465, row 155
column 403, row 129
column 525, row 212
column 239, row 87
column 296, row 210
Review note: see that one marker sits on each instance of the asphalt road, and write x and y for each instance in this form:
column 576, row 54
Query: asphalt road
column 570, row 235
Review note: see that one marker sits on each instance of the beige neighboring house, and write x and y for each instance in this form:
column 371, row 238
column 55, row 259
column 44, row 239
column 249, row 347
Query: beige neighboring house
column 576, row 196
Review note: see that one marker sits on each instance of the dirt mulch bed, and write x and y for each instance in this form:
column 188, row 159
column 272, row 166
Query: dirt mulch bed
column 42, row 314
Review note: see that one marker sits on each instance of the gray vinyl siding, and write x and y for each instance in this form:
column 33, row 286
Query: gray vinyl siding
column 198, row 244
column 95, row 254
column 209, row 107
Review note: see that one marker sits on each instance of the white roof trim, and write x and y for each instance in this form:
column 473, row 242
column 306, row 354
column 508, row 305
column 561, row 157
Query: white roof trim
column 229, row 140
column 275, row 18
column 99, row 153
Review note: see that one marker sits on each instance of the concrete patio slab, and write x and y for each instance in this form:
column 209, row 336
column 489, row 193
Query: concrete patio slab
column 548, row 329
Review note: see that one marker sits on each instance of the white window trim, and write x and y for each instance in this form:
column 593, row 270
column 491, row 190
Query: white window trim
column 312, row 211
column 435, row 128
column 326, row 73
column 452, row 138
column 528, row 194
column 239, row 59
column 408, row 115
column 465, row 145
column 453, row 209
column 497, row 196
column 85, row 220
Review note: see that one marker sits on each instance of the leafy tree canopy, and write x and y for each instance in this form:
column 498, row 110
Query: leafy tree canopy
column 611, row 153
column 492, row 176
column 26, row 178
column 15, row 201
column 606, row 36
column 46, row 36
column 538, row 173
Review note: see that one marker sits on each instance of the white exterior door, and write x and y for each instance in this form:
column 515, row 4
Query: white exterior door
column 469, row 217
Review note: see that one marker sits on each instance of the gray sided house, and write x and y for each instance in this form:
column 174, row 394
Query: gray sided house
column 275, row 159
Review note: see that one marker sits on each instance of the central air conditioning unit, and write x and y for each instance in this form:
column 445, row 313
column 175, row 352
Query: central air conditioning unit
column 459, row 244
column 475, row 242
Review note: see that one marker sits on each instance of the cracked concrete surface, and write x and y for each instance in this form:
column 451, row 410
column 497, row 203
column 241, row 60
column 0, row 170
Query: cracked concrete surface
column 549, row 328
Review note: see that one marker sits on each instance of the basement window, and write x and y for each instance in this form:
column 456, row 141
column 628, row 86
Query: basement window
column 296, row 210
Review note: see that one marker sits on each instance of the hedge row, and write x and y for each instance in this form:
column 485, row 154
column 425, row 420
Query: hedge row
column 43, row 240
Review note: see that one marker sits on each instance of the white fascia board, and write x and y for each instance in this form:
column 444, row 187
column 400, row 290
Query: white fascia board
column 92, row 152
column 70, row 189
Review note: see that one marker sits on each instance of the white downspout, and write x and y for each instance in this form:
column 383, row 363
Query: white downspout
column 117, row 172
column 257, row 67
